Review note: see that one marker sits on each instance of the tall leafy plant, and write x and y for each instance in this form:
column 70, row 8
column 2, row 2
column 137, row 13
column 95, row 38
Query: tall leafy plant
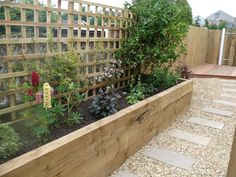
column 73, row 99
column 156, row 34
column 62, row 69
column 63, row 72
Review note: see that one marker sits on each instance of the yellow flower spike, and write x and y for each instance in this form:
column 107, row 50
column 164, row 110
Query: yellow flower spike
column 47, row 96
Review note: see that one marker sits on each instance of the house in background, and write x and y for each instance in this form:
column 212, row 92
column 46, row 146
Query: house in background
column 199, row 21
column 218, row 17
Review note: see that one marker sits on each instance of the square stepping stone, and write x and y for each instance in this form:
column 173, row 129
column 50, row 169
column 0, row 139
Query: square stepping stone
column 229, row 90
column 122, row 173
column 207, row 123
column 187, row 136
column 228, row 96
column 218, row 111
column 170, row 157
column 229, row 103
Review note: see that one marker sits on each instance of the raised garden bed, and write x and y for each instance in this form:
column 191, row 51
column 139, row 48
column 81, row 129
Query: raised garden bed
column 101, row 147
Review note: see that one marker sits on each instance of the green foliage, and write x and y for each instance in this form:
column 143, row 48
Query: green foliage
column 9, row 141
column 104, row 104
column 24, row 64
column 186, row 11
column 156, row 34
column 2, row 31
column 206, row 23
column 74, row 118
column 62, row 69
column 15, row 14
column 41, row 120
column 2, row 13
column 197, row 22
column 136, row 92
column 139, row 91
column 163, row 79
column 222, row 24
column 73, row 98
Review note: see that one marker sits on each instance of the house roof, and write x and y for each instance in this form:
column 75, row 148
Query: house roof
column 222, row 12
column 222, row 16
column 198, row 16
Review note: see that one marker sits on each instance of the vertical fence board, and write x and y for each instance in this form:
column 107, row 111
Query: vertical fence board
column 229, row 55
column 202, row 46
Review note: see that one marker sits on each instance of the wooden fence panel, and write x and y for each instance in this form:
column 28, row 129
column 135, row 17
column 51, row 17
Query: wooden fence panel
column 29, row 28
column 196, row 41
column 213, row 46
column 229, row 55
column 203, row 46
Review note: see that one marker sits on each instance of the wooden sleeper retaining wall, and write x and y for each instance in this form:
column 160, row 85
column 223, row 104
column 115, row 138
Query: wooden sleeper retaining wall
column 98, row 149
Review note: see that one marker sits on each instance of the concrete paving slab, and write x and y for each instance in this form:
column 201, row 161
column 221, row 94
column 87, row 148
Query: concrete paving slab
column 170, row 157
column 187, row 136
column 228, row 96
column 229, row 85
column 229, row 90
column 218, row 111
column 229, row 103
column 207, row 123
column 124, row 174
column 228, row 81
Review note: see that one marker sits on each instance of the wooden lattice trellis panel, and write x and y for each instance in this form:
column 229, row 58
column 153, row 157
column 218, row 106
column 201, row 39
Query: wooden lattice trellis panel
column 29, row 28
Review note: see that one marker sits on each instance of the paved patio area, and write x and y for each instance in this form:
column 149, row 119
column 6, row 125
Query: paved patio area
column 198, row 143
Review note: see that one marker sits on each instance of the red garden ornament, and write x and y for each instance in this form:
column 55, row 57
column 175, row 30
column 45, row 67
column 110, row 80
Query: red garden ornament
column 35, row 79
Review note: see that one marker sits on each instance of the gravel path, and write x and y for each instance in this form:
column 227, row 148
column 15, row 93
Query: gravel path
column 211, row 160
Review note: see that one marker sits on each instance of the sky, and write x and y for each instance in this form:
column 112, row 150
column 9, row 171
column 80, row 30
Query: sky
column 203, row 8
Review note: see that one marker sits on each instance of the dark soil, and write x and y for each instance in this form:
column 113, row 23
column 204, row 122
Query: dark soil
column 29, row 142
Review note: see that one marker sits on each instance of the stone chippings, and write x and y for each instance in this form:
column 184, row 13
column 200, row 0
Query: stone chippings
column 211, row 161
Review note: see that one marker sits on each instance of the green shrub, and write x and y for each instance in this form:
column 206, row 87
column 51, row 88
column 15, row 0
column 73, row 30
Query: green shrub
column 74, row 119
column 163, row 79
column 136, row 92
column 9, row 141
column 73, row 99
column 139, row 91
column 63, row 69
column 156, row 34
